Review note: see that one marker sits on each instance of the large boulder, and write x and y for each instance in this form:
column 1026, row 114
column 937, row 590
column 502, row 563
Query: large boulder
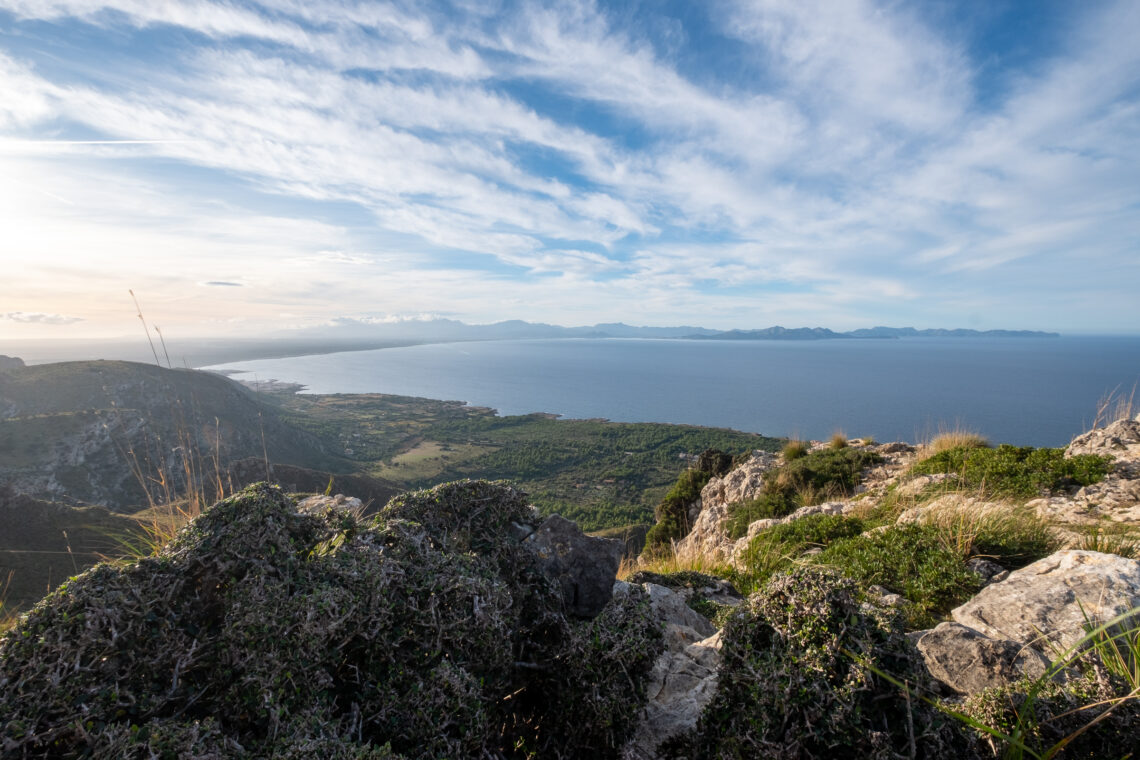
column 1053, row 601
column 583, row 566
column 968, row 661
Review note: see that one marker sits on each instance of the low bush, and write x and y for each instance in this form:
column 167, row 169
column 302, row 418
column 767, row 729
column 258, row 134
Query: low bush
column 805, row 480
column 776, row 548
column 912, row 560
column 261, row 631
column 1020, row 472
column 799, row 679
column 1090, row 715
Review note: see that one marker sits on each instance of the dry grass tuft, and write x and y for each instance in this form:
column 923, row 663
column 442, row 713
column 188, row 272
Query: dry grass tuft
column 952, row 439
column 838, row 440
column 1115, row 406
column 794, row 450
column 673, row 561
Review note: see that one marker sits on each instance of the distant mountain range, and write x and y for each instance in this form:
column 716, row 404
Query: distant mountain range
column 822, row 333
column 436, row 330
column 362, row 335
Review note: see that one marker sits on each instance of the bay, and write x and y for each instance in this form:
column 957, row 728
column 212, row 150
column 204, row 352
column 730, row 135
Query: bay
column 1025, row 391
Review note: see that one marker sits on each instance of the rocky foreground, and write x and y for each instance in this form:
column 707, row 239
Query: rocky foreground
column 455, row 623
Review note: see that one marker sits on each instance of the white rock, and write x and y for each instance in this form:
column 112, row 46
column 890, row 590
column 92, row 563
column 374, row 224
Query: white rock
column 1053, row 600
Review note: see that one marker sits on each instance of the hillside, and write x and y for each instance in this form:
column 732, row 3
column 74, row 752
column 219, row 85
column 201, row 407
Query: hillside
column 122, row 434
column 950, row 600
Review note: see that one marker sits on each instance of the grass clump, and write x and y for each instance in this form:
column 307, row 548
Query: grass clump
column 428, row 631
column 838, row 440
column 805, row 480
column 912, row 560
column 798, row 680
column 1018, row 472
column 794, row 450
column 954, row 439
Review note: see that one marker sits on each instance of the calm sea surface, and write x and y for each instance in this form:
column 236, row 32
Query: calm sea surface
column 1038, row 392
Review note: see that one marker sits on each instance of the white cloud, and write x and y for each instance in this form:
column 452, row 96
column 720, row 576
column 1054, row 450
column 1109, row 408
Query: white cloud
column 861, row 167
column 36, row 317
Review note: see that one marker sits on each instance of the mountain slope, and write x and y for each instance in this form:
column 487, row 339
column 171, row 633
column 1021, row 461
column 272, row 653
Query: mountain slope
column 95, row 432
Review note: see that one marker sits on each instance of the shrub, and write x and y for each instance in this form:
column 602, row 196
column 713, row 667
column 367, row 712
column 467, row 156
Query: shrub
column 798, row 680
column 838, row 441
column 776, row 548
column 1091, row 715
column 264, row 632
column 1016, row 472
column 831, row 473
column 911, row 560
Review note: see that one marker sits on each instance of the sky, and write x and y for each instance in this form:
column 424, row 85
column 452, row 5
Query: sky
column 247, row 166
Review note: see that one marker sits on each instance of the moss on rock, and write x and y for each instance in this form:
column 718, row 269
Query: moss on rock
column 261, row 631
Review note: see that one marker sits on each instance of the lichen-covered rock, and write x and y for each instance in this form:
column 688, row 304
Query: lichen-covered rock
column 1054, row 600
column 583, row 566
column 263, row 631
column 968, row 661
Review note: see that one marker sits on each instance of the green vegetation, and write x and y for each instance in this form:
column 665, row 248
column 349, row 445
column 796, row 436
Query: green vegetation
column 1014, row 471
column 794, row 450
column 912, row 560
column 806, row 479
column 798, row 680
column 779, row 547
column 600, row 474
column 264, row 632
column 672, row 513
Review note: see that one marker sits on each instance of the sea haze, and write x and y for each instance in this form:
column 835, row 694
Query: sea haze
column 1025, row 391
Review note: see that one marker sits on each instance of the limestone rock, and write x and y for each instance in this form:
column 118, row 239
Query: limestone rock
column 1121, row 439
column 583, row 566
column 968, row 661
column 681, row 684
column 988, row 571
column 1053, row 599
column 708, row 537
column 316, row 505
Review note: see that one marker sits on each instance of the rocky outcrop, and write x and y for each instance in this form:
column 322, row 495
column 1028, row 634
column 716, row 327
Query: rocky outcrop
column 708, row 537
column 683, row 679
column 583, row 566
column 1117, row 496
column 968, row 661
column 1053, row 601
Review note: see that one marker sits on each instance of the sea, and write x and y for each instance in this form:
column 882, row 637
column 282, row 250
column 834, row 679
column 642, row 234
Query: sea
column 1023, row 391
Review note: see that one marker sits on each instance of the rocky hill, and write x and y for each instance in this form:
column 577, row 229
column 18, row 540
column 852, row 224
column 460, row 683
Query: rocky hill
column 121, row 434
column 841, row 599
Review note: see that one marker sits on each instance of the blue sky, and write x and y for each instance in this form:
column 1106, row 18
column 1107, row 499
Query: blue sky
column 731, row 163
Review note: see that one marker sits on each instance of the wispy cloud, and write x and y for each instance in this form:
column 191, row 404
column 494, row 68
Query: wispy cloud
column 557, row 159
column 39, row 318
